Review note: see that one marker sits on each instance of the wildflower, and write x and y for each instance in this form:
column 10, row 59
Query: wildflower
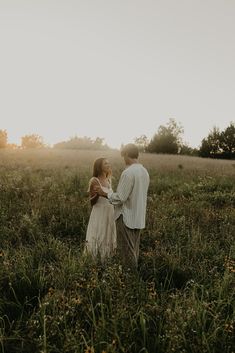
column 90, row 350
column 6, row 263
column 51, row 291
column 229, row 328
column 114, row 342
column 229, row 264
column 76, row 301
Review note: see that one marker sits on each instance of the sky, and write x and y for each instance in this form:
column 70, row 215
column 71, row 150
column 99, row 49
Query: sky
column 116, row 69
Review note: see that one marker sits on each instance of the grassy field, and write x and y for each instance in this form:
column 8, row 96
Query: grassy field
column 53, row 299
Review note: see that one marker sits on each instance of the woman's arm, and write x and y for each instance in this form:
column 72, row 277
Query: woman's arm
column 93, row 195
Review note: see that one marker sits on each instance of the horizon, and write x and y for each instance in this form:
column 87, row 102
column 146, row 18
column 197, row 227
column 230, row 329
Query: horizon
column 112, row 146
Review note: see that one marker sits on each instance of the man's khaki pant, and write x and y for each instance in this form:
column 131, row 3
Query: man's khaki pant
column 128, row 241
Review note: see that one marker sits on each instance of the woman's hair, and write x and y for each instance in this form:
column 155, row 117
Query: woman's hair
column 97, row 167
column 97, row 170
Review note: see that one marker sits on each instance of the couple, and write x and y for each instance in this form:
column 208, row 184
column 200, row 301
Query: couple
column 117, row 217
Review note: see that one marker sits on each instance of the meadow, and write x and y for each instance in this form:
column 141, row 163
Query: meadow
column 53, row 299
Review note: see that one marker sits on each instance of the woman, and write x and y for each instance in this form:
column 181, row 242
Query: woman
column 101, row 230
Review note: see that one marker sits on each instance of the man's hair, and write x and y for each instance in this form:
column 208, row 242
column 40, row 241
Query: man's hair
column 130, row 150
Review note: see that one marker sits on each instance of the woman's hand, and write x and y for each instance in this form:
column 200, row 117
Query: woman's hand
column 98, row 189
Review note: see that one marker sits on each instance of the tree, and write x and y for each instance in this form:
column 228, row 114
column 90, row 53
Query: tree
column 227, row 141
column 210, row 146
column 32, row 141
column 98, row 143
column 141, row 142
column 82, row 143
column 205, row 148
column 3, row 138
column 185, row 149
column 167, row 139
column 12, row 146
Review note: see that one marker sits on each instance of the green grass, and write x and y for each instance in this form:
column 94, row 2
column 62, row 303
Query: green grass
column 55, row 299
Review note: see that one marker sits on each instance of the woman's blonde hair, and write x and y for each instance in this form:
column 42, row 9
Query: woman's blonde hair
column 97, row 167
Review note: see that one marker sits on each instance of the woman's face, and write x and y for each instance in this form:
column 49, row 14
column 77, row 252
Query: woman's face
column 106, row 167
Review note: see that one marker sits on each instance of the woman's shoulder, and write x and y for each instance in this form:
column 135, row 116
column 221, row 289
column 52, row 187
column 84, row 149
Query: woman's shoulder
column 94, row 181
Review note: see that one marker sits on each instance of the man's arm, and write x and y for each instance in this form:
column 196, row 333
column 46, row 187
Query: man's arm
column 124, row 190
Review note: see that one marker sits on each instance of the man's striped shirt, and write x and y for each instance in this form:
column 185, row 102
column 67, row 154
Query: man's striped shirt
column 130, row 199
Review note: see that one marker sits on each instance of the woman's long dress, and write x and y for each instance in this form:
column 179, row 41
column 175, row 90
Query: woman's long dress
column 101, row 230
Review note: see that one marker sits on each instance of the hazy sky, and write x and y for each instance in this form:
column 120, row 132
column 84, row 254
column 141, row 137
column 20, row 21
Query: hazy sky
column 116, row 68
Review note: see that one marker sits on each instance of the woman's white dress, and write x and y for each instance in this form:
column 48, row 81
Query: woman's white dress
column 101, row 236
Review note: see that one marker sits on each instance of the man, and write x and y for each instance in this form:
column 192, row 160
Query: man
column 130, row 201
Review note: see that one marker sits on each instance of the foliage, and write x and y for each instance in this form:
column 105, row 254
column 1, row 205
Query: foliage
column 167, row 139
column 211, row 145
column 219, row 144
column 12, row 146
column 3, row 138
column 32, row 141
column 83, row 143
column 141, row 142
column 227, row 141
column 185, row 149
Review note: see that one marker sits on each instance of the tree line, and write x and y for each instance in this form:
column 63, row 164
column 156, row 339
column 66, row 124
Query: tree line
column 167, row 139
column 35, row 141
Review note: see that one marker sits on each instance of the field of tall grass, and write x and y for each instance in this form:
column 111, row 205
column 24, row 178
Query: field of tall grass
column 53, row 299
